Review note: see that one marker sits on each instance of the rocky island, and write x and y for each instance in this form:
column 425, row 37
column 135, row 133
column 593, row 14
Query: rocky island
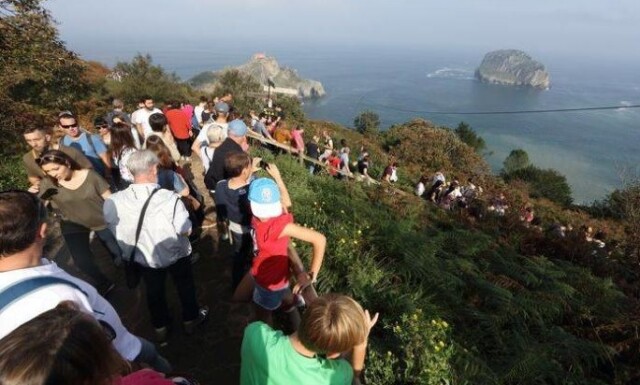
column 513, row 67
column 264, row 69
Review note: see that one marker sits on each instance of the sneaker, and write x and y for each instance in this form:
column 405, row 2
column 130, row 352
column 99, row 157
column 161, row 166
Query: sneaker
column 190, row 326
column 161, row 335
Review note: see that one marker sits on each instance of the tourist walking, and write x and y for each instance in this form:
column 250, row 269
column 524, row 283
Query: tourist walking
column 157, row 241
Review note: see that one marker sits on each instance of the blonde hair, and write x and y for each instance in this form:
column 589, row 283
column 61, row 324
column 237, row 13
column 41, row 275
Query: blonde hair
column 333, row 323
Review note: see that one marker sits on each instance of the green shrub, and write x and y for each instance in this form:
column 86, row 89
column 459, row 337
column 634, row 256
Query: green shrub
column 548, row 184
column 245, row 90
column 12, row 174
column 140, row 77
column 517, row 159
column 469, row 136
column 421, row 353
column 368, row 122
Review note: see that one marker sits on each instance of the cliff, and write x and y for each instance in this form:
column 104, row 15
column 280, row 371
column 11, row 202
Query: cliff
column 262, row 68
column 514, row 68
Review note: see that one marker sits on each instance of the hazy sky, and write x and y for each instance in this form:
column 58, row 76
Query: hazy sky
column 610, row 27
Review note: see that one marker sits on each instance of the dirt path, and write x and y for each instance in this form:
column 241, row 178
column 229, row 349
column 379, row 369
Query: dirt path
column 212, row 355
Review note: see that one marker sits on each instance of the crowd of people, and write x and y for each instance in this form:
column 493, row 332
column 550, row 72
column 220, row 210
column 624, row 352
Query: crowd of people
column 447, row 195
column 129, row 185
column 455, row 196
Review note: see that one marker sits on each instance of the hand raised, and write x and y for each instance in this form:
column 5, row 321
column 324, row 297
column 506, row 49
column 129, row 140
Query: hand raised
column 370, row 322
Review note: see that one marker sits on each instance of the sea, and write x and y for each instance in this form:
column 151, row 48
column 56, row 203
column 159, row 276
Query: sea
column 596, row 150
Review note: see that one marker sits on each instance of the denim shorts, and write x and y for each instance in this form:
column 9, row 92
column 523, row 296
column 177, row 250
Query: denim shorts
column 268, row 299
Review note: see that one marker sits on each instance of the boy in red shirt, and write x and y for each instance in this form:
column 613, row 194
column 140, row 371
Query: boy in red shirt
column 273, row 227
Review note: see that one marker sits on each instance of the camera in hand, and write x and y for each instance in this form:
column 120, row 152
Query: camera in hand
column 263, row 165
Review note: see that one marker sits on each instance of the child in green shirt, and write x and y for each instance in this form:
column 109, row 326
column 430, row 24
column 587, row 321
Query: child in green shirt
column 332, row 326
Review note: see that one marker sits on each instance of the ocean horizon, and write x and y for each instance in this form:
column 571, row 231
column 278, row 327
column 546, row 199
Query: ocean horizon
column 595, row 150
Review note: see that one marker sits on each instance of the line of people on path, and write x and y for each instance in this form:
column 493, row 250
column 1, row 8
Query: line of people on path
column 337, row 161
column 447, row 195
column 134, row 196
column 453, row 195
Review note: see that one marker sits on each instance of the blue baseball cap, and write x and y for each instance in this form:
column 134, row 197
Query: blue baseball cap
column 237, row 128
column 264, row 197
column 221, row 107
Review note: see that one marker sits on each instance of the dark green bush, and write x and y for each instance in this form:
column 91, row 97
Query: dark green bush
column 469, row 136
column 140, row 77
column 516, row 160
column 548, row 184
column 12, row 174
column 368, row 122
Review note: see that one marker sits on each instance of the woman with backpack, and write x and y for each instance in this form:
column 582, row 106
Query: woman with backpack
column 172, row 177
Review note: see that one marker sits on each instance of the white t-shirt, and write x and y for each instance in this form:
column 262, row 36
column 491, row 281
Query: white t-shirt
column 394, row 175
column 198, row 112
column 141, row 116
column 48, row 297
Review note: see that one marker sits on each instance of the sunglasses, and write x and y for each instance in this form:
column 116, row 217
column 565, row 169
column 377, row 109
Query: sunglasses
column 69, row 125
column 50, row 158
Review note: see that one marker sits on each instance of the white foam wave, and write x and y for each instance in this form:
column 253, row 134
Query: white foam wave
column 451, row 73
column 624, row 104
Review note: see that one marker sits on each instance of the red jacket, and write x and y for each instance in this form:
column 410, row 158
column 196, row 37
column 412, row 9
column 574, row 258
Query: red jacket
column 179, row 123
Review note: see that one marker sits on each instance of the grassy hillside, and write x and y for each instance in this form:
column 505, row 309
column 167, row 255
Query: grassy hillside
column 465, row 300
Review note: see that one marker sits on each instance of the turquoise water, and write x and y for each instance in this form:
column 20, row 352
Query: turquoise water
column 596, row 150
